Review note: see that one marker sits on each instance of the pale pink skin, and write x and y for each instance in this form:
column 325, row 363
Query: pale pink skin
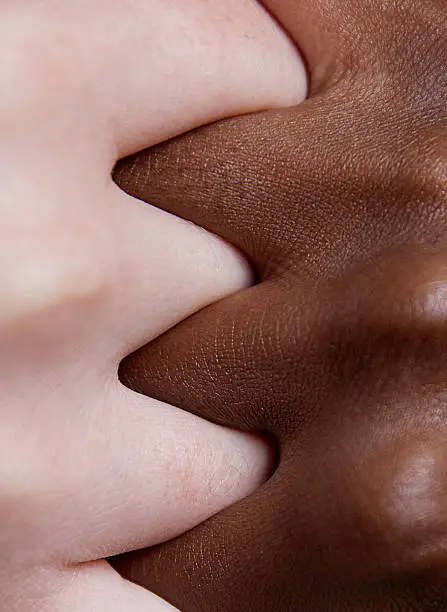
column 88, row 274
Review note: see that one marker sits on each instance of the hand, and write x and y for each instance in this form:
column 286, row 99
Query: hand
column 340, row 352
column 88, row 274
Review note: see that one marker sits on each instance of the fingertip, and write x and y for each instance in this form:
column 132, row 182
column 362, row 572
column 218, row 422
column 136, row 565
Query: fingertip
column 253, row 462
column 231, row 265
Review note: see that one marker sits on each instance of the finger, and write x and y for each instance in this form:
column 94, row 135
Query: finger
column 365, row 39
column 253, row 60
column 213, row 65
column 124, row 472
column 160, row 270
column 327, row 32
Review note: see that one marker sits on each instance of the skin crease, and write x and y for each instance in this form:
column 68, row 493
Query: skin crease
column 88, row 274
column 340, row 351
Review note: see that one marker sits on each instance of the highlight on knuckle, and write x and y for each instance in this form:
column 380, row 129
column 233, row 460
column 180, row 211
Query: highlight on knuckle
column 401, row 505
column 421, row 300
column 422, row 171
column 398, row 489
column 401, row 307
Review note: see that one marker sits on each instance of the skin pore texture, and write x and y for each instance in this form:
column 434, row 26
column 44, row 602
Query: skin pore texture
column 340, row 351
column 91, row 469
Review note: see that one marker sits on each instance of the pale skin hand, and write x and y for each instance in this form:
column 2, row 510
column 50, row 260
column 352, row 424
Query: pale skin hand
column 90, row 469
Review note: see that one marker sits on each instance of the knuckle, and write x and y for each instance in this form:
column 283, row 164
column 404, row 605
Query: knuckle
column 49, row 283
column 402, row 303
column 38, row 73
column 398, row 492
column 422, row 297
column 422, row 173
column 392, row 329
column 402, row 505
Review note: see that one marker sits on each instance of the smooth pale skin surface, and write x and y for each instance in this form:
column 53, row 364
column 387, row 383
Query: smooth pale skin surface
column 88, row 274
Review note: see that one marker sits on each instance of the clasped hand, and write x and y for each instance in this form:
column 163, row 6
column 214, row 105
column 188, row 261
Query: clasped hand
column 90, row 468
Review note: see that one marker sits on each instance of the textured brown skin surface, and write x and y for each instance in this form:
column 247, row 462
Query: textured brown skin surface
column 340, row 351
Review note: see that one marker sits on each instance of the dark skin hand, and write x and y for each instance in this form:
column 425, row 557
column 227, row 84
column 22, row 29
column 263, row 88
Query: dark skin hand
column 340, row 351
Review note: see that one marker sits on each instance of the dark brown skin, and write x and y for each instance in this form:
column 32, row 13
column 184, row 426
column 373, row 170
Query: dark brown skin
column 340, row 351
